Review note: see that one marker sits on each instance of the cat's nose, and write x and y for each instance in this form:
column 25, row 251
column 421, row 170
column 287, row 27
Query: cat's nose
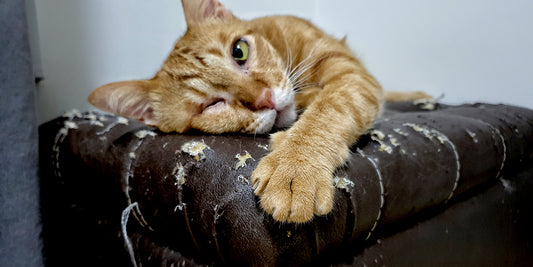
column 265, row 101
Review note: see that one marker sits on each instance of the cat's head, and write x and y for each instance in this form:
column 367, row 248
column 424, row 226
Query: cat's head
column 221, row 76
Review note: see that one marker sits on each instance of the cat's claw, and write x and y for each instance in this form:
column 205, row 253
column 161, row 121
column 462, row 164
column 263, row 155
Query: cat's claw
column 291, row 188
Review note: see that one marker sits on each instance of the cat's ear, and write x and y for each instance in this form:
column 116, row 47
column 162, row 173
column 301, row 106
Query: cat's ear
column 129, row 99
column 197, row 11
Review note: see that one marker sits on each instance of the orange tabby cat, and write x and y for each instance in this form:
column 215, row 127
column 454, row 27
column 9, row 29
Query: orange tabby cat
column 230, row 75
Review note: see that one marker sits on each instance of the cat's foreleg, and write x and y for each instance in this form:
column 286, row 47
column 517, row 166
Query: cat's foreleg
column 295, row 180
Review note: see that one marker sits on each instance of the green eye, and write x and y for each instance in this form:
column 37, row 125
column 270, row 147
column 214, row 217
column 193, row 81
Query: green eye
column 240, row 51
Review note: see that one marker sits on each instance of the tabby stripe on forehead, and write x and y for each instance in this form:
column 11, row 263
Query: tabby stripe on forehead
column 219, row 86
column 185, row 50
column 262, row 83
column 202, row 86
column 190, row 76
column 181, row 56
column 223, row 38
column 200, row 94
column 201, row 60
column 192, row 58
column 182, row 77
column 215, row 52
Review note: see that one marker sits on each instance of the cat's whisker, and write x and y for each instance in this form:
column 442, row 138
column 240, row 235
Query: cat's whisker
column 289, row 57
column 305, row 86
column 306, row 67
column 302, row 74
column 303, row 64
column 307, row 76
column 297, row 74
column 289, row 60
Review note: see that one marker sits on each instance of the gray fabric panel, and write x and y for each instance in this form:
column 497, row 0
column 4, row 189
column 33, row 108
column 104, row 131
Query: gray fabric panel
column 19, row 193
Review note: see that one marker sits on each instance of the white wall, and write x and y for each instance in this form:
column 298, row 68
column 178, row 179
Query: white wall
column 469, row 50
column 473, row 50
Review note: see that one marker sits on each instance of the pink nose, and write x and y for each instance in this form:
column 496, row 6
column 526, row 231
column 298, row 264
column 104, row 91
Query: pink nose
column 265, row 101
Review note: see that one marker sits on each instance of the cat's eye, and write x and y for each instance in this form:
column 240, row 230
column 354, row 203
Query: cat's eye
column 240, row 51
column 214, row 103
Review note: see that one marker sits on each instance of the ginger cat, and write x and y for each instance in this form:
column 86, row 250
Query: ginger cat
column 230, row 75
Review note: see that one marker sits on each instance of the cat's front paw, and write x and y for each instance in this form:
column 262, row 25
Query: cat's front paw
column 293, row 185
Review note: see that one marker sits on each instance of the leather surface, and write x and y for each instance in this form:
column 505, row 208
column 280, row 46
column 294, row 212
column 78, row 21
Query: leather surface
column 191, row 200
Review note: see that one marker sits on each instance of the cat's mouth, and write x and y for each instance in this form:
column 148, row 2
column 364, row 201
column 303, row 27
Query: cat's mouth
column 268, row 119
column 285, row 116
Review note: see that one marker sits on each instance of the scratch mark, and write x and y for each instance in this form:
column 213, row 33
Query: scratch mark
column 195, row 149
column 442, row 138
column 119, row 120
column 58, row 141
column 427, row 104
column 144, row 133
column 393, row 140
column 132, row 155
column 472, row 135
column 74, row 113
column 123, row 223
column 382, row 191
column 400, row 132
column 343, row 183
column 243, row 179
column 179, row 174
column 265, row 147
column 242, row 160
column 502, row 139
column 216, row 217
column 378, row 136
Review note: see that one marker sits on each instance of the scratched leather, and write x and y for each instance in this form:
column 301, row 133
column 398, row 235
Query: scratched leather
column 195, row 199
